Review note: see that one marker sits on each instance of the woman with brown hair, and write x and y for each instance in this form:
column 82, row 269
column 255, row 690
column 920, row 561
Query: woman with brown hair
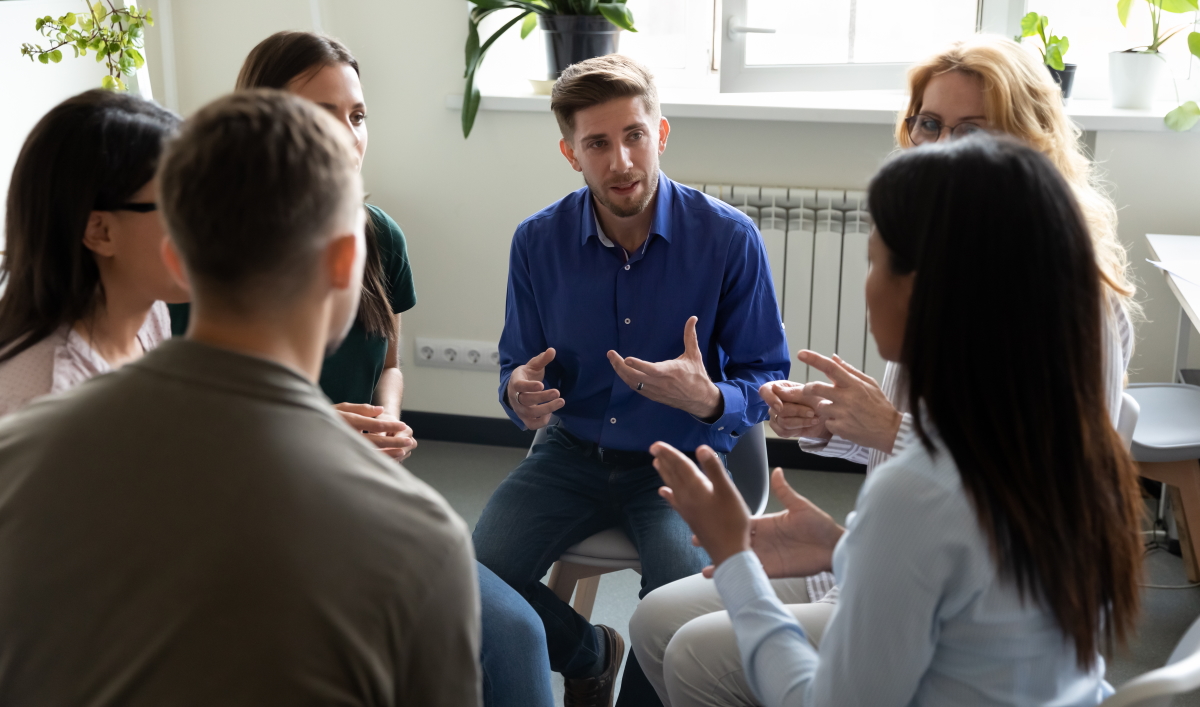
column 363, row 376
column 84, row 279
column 994, row 559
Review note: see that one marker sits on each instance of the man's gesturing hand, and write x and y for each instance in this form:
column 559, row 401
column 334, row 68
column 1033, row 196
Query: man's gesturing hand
column 793, row 414
column 857, row 410
column 527, row 395
column 681, row 383
column 709, row 502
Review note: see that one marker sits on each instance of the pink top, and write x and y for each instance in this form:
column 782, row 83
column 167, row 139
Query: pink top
column 63, row 360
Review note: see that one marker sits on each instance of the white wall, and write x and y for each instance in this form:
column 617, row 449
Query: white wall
column 458, row 201
column 31, row 88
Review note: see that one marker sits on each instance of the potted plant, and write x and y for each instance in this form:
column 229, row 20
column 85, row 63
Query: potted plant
column 1052, row 50
column 1134, row 73
column 113, row 33
column 575, row 30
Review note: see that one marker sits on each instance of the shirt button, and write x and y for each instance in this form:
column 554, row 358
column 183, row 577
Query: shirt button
column 626, row 267
column 720, row 429
column 627, row 320
column 613, row 420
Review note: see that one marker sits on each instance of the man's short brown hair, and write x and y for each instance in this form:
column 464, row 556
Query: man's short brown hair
column 250, row 190
column 595, row 81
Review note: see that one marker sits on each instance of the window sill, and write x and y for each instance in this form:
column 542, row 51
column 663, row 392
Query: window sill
column 862, row 107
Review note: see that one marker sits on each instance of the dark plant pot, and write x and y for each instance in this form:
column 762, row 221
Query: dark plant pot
column 571, row 39
column 1065, row 79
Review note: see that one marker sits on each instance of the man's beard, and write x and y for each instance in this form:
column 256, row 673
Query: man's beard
column 625, row 210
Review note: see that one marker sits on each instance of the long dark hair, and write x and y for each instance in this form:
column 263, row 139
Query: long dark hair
column 274, row 63
column 1003, row 353
column 91, row 152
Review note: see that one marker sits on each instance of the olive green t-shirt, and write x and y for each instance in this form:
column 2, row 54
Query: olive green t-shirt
column 350, row 374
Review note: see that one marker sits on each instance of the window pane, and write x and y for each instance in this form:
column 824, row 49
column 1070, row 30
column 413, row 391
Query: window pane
column 661, row 39
column 854, row 31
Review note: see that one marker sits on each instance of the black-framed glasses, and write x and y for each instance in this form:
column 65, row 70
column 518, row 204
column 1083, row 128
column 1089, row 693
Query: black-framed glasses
column 923, row 128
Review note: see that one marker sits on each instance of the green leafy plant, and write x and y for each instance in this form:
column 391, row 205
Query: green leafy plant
column 114, row 34
column 1053, row 48
column 1157, row 7
column 613, row 10
column 1187, row 114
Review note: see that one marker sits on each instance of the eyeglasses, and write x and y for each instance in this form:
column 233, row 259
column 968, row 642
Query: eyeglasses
column 923, row 128
column 141, row 208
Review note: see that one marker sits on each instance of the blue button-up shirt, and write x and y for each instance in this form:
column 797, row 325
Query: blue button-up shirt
column 568, row 291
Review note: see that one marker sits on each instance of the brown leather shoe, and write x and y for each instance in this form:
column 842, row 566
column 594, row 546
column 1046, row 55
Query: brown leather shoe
column 598, row 691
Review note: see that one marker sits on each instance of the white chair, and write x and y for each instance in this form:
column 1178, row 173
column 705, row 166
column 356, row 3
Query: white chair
column 578, row 570
column 1127, row 419
column 1180, row 675
column 1166, row 446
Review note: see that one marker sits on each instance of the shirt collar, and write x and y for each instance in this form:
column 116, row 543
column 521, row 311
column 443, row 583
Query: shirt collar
column 660, row 226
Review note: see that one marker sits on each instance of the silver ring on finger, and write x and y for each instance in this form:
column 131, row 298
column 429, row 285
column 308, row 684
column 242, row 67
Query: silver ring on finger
column 641, row 385
column 518, row 398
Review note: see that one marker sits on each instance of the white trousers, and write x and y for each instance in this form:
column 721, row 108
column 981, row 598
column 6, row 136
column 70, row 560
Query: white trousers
column 685, row 643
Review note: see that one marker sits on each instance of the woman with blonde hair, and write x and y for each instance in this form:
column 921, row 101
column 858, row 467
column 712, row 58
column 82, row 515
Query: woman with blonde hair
column 985, row 83
column 1022, row 100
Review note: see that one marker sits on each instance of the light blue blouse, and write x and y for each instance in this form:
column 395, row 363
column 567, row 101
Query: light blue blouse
column 922, row 619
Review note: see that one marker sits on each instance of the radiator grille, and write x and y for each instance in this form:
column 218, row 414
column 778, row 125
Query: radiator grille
column 816, row 240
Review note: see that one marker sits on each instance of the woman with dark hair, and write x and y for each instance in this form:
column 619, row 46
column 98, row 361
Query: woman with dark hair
column 983, row 83
column 996, row 557
column 84, row 278
column 363, row 376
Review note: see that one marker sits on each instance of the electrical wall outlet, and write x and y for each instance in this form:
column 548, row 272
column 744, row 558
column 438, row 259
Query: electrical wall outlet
column 457, row 353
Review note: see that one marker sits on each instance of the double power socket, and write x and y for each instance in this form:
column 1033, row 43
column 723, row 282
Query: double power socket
column 457, row 353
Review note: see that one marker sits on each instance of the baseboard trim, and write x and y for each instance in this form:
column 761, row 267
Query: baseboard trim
column 500, row 432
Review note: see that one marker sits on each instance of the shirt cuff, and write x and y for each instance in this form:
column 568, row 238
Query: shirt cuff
column 512, row 414
column 740, row 579
column 730, row 421
column 903, row 434
column 832, row 447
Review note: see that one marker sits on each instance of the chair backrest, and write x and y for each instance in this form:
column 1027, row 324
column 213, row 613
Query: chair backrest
column 1180, row 675
column 1127, row 418
column 747, row 464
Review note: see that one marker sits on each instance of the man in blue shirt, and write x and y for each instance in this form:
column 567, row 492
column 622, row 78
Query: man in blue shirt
column 638, row 310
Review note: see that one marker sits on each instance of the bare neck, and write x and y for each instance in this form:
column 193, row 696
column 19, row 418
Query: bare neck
column 628, row 232
column 294, row 337
column 112, row 327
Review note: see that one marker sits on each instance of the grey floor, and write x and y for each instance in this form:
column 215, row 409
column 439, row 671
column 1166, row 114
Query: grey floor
column 467, row 474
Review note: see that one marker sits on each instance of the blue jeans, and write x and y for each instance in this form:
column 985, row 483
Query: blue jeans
column 561, row 494
column 516, row 672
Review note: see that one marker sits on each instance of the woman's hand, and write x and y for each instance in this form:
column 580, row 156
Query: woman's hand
column 857, row 410
column 793, row 413
column 708, row 501
column 796, row 542
column 393, row 437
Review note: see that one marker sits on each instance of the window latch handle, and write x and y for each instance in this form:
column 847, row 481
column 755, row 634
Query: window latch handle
column 736, row 27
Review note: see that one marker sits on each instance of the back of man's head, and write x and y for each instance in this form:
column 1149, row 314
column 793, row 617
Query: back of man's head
column 251, row 190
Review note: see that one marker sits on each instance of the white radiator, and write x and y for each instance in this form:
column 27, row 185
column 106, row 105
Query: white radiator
column 816, row 240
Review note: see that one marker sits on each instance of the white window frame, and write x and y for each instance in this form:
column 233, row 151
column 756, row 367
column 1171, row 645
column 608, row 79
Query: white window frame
column 994, row 16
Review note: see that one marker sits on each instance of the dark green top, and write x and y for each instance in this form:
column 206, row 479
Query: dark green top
column 350, row 374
